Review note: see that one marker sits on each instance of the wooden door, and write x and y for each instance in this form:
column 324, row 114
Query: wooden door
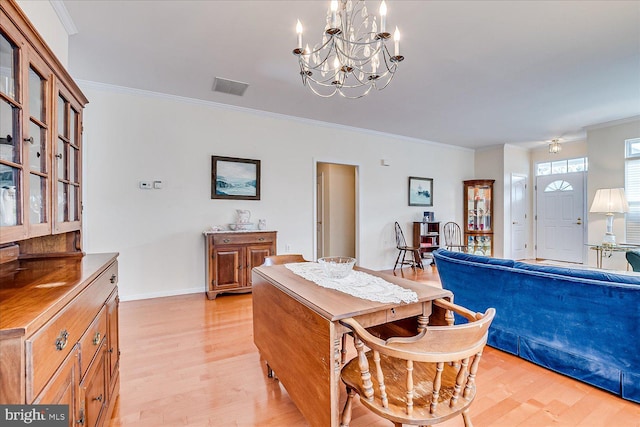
column 228, row 267
column 93, row 389
column 62, row 389
column 113, row 346
column 255, row 257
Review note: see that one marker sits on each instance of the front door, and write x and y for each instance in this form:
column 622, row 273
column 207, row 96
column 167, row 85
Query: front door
column 560, row 217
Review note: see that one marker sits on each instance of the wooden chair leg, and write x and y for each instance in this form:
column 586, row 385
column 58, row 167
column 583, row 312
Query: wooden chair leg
column 346, row 412
column 343, row 349
column 466, row 418
column 269, row 371
column 397, row 258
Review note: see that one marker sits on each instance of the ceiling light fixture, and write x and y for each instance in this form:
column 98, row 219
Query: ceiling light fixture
column 554, row 147
column 353, row 56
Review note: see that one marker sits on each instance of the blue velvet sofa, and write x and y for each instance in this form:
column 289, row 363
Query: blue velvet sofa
column 579, row 322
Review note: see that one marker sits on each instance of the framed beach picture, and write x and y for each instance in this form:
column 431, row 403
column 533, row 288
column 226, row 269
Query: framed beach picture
column 233, row 178
column 420, row 191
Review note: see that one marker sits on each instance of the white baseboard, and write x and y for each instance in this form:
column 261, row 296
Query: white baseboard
column 170, row 293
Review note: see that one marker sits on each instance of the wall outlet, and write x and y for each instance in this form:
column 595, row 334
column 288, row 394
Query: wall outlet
column 146, row 185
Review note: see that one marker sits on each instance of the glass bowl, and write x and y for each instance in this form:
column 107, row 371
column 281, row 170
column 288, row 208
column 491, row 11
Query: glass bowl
column 337, row 267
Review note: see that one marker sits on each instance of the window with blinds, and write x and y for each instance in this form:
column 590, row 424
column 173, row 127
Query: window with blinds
column 632, row 189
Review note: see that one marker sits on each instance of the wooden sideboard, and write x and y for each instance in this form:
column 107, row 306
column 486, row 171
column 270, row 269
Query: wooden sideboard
column 59, row 335
column 230, row 256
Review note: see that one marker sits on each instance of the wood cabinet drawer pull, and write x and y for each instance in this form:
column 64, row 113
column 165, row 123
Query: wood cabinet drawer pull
column 261, row 239
column 113, row 278
column 61, row 341
column 96, row 339
column 99, row 398
column 226, row 240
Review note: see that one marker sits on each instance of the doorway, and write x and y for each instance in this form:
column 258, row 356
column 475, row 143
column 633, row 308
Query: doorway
column 560, row 231
column 336, row 209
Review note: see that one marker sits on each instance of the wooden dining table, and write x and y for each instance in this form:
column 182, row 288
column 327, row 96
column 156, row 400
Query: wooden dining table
column 296, row 327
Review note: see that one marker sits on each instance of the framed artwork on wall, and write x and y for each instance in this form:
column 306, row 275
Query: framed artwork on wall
column 420, row 191
column 233, row 178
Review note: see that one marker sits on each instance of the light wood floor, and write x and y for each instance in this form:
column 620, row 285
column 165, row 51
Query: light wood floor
column 188, row 361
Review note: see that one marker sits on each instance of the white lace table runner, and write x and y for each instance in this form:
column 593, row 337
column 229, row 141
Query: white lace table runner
column 357, row 284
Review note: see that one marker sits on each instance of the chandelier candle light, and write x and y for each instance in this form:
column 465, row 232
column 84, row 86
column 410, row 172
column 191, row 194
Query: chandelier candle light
column 352, row 57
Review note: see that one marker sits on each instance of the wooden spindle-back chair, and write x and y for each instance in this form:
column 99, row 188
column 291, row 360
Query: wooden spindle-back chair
column 419, row 380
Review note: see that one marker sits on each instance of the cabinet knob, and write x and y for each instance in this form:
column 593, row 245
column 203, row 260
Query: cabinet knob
column 59, row 155
column 61, row 341
column 96, row 338
column 112, row 279
column 261, row 239
column 226, row 240
column 29, row 140
column 99, row 398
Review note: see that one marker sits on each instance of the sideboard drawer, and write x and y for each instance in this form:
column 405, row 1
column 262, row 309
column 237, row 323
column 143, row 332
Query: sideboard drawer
column 91, row 339
column 243, row 238
column 53, row 342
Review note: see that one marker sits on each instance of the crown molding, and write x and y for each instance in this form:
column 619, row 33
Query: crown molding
column 63, row 15
column 612, row 123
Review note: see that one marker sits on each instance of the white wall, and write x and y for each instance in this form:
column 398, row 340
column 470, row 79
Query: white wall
column 605, row 146
column 133, row 135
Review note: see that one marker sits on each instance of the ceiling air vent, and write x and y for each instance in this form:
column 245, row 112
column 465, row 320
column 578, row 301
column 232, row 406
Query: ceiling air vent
column 229, row 86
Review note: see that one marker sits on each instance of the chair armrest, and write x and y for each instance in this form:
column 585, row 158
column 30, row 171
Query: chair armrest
column 464, row 312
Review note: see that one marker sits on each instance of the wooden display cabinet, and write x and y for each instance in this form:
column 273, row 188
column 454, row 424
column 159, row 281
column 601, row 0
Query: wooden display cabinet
column 40, row 142
column 230, row 256
column 426, row 236
column 478, row 216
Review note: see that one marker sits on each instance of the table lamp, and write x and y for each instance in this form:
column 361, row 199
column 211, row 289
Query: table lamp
column 609, row 201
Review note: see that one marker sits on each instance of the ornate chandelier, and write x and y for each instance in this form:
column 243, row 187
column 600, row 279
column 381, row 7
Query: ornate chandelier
column 353, row 56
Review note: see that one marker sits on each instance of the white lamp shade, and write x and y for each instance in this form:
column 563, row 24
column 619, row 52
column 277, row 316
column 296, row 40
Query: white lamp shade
column 610, row 200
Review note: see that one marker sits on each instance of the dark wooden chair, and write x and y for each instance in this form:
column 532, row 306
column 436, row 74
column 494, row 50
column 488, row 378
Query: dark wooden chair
column 453, row 237
column 404, row 249
column 420, row 380
column 633, row 258
column 283, row 259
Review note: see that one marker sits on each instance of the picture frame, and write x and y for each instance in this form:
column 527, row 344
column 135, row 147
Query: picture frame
column 235, row 178
column 420, row 191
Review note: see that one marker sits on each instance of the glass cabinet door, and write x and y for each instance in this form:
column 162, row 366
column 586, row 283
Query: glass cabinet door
column 67, row 204
column 36, row 147
column 12, row 222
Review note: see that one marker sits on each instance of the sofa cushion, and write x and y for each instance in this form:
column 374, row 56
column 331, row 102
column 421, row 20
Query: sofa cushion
column 476, row 258
column 581, row 273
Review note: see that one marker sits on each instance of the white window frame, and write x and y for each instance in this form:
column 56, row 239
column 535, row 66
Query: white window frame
column 632, row 191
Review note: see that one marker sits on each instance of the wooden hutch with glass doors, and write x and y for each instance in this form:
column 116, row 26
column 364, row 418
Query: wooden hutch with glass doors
column 59, row 321
column 478, row 216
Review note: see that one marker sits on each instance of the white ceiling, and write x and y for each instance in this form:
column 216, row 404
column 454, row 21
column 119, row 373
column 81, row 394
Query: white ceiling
column 476, row 73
